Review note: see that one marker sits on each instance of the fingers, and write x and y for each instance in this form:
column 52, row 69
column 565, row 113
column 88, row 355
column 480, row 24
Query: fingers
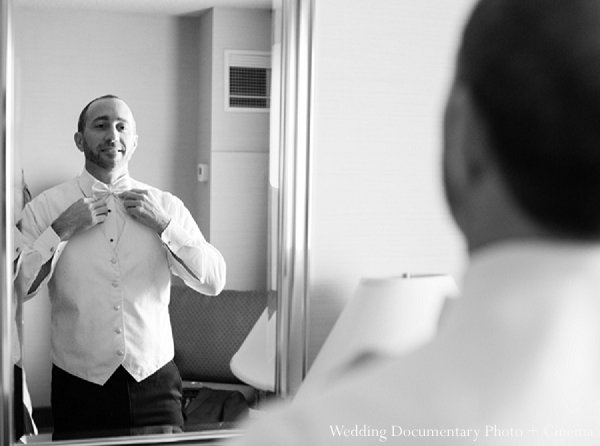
column 134, row 194
column 132, row 197
column 137, row 200
column 97, row 207
column 132, row 204
column 142, row 206
column 81, row 215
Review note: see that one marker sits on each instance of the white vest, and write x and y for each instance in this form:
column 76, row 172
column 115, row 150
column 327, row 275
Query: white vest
column 119, row 313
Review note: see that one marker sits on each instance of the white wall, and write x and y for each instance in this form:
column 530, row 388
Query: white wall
column 238, row 29
column 382, row 71
column 205, row 104
column 66, row 58
column 237, row 150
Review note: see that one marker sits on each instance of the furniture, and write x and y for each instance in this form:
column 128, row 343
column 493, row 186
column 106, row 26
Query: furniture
column 207, row 332
column 254, row 362
column 386, row 316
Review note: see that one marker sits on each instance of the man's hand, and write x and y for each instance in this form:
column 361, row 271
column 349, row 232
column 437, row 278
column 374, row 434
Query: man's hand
column 84, row 214
column 143, row 207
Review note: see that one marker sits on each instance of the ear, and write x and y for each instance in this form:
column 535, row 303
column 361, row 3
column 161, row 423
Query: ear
column 467, row 137
column 478, row 152
column 78, row 138
column 133, row 147
column 466, row 161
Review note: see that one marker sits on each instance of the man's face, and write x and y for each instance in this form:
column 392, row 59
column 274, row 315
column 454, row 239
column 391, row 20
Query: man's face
column 109, row 137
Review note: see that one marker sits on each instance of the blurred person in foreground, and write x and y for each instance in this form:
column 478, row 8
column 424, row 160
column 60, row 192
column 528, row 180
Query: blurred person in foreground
column 517, row 360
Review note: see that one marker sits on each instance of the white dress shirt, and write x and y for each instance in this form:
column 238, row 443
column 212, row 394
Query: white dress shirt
column 110, row 285
column 517, row 361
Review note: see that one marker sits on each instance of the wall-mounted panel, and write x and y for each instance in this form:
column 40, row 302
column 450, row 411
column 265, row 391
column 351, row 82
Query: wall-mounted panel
column 239, row 216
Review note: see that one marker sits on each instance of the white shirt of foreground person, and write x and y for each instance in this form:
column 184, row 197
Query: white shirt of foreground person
column 516, row 362
column 110, row 285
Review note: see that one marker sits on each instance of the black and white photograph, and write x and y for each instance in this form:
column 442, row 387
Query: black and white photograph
column 300, row 222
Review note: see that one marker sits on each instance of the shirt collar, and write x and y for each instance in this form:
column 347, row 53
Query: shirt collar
column 512, row 287
column 529, row 265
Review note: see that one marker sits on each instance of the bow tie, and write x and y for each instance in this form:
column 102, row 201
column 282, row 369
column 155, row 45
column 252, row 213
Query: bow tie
column 102, row 190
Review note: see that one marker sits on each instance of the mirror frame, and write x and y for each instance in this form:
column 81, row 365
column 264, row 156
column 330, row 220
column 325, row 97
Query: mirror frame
column 295, row 137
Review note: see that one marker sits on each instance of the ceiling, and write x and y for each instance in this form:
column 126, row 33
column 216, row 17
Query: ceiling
column 163, row 7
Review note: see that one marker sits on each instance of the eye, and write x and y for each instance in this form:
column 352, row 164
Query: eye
column 99, row 125
column 122, row 127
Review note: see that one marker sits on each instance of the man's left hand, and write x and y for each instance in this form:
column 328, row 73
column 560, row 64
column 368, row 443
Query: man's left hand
column 143, row 207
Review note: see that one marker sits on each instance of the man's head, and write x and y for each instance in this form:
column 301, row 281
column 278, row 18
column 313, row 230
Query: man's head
column 106, row 134
column 528, row 87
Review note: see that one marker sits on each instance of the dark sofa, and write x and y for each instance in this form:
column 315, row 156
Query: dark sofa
column 207, row 332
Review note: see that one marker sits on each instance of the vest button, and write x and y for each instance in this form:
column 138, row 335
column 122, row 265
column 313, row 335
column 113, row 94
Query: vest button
column 120, row 352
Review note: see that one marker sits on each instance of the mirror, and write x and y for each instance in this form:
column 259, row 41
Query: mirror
column 59, row 57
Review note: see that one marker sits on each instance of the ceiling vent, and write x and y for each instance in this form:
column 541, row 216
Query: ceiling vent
column 247, row 80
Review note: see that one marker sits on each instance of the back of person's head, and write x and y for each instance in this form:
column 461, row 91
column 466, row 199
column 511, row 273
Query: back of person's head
column 533, row 70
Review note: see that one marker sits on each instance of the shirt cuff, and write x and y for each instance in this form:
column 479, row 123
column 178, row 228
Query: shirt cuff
column 48, row 244
column 174, row 236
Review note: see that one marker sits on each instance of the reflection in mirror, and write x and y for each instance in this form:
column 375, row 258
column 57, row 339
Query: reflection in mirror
column 197, row 82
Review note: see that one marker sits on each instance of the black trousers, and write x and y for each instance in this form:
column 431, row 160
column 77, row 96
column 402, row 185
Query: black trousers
column 122, row 406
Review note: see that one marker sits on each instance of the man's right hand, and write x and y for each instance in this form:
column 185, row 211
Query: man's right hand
column 84, row 214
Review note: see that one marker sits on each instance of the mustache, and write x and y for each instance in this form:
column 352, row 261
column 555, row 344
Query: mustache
column 112, row 146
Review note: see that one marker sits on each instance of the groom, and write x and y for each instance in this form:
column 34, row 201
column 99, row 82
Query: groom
column 107, row 245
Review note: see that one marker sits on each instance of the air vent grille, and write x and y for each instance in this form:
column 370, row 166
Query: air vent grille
column 248, row 80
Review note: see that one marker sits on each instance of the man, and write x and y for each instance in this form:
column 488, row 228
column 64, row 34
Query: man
column 106, row 245
column 517, row 360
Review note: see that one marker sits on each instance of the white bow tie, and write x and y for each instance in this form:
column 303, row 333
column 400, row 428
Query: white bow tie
column 102, row 190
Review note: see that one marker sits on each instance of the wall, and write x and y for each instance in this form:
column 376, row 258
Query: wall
column 382, row 73
column 73, row 57
column 237, row 149
column 205, row 105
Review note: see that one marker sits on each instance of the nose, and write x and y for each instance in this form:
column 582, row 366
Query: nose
column 111, row 134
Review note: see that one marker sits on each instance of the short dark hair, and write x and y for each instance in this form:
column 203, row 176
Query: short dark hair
column 83, row 115
column 533, row 69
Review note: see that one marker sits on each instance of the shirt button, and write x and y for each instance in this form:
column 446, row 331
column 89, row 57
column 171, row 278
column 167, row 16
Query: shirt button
column 118, row 330
column 115, row 284
column 120, row 352
column 113, row 260
column 117, row 307
column 52, row 249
